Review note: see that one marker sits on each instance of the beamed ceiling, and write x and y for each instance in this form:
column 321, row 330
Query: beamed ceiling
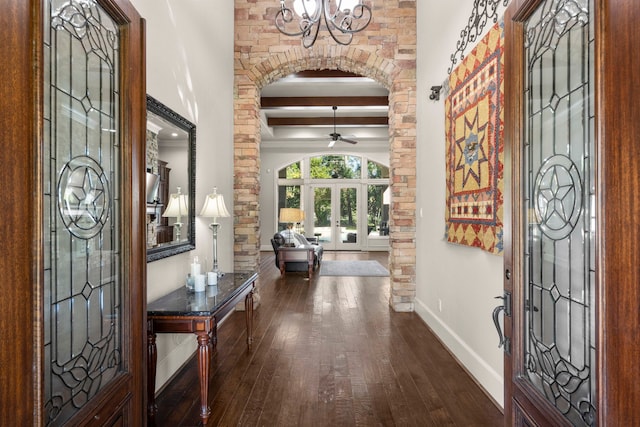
column 297, row 110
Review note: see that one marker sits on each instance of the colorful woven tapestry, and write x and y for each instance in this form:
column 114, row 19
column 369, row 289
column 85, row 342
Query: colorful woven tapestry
column 474, row 126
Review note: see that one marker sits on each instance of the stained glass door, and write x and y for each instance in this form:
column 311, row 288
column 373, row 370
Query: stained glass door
column 553, row 360
column 88, row 210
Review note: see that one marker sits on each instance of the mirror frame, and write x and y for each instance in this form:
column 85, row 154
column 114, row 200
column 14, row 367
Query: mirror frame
column 158, row 108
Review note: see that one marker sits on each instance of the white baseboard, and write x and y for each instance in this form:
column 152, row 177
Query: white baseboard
column 180, row 347
column 486, row 377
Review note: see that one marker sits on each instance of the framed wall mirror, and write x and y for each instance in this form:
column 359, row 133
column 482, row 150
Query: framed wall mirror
column 171, row 189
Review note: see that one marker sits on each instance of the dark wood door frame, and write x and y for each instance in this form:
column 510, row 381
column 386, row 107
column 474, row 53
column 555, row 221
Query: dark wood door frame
column 20, row 391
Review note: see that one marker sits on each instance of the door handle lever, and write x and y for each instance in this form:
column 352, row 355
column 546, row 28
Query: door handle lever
column 506, row 307
column 496, row 322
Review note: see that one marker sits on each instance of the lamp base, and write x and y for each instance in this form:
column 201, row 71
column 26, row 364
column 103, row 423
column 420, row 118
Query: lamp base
column 177, row 227
column 215, row 269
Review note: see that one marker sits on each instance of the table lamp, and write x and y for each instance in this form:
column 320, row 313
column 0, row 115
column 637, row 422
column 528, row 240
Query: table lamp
column 177, row 208
column 290, row 216
column 214, row 208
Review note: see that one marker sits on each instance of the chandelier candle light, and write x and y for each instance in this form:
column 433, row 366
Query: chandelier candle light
column 214, row 208
column 343, row 18
column 177, row 208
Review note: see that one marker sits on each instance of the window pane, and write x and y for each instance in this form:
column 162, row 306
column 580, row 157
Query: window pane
column 322, row 214
column 288, row 197
column 335, row 167
column 290, row 172
column 348, row 214
column 376, row 170
column 378, row 210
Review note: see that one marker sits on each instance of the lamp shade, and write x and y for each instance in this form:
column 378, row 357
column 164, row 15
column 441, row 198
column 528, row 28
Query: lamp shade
column 291, row 215
column 214, row 206
column 178, row 205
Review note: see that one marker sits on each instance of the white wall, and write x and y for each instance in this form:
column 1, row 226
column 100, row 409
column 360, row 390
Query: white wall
column 190, row 70
column 456, row 285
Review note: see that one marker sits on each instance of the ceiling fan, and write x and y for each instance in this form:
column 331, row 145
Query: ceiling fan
column 335, row 136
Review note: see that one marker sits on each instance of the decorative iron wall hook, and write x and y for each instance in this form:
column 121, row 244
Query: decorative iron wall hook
column 435, row 93
column 483, row 11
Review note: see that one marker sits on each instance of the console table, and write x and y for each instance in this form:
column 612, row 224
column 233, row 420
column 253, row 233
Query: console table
column 182, row 311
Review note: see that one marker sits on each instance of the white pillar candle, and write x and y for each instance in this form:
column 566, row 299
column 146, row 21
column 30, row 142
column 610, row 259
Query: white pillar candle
column 199, row 283
column 212, row 278
column 195, row 269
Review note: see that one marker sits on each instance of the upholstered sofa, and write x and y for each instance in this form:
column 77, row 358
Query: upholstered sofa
column 295, row 253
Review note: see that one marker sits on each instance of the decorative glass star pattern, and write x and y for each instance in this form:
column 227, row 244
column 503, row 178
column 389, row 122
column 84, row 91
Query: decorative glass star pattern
column 551, row 199
column 84, row 197
column 558, row 196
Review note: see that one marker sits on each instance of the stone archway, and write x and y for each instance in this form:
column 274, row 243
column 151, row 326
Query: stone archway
column 399, row 78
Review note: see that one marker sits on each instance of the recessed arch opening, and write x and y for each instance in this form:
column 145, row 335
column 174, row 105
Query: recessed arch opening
column 248, row 86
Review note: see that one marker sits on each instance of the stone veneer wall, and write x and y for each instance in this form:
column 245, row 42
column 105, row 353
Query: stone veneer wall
column 386, row 52
column 152, row 151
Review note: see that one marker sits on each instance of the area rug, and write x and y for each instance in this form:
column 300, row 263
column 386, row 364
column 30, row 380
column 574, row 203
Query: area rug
column 353, row 268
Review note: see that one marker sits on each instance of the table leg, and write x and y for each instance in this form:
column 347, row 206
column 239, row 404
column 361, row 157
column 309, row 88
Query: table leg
column 248, row 309
column 310, row 254
column 203, row 371
column 152, row 358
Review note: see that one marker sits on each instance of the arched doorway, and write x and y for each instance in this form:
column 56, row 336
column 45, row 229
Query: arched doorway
column 251, row 78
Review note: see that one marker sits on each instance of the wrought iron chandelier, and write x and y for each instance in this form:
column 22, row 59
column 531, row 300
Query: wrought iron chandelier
column 303, row 18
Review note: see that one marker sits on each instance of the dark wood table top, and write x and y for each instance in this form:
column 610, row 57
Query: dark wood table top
column 182, row 302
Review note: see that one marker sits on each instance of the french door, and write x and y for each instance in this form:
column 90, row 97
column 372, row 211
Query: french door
column 571, row 243
column 336, row 215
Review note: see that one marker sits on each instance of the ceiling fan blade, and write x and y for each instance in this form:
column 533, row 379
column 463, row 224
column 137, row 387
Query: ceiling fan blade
column 350, row 141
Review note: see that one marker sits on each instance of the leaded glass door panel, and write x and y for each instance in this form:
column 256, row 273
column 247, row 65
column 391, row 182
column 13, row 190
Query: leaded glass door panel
column 553, row 360
column 323, row 215
column 347, row 226
column 90, row 319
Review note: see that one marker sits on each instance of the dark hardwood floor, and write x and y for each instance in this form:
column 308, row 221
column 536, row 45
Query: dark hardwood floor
column 328, row 352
